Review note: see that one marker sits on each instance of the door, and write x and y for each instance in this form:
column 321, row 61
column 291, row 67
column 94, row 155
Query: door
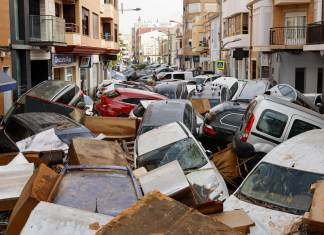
column 300, row 79
column 295, row 28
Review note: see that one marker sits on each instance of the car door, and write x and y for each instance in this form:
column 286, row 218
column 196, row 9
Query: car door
column 300, row 124
column 269, row 128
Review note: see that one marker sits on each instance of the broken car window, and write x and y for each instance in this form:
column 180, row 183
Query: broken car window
column 280, row 188
column 185, row 151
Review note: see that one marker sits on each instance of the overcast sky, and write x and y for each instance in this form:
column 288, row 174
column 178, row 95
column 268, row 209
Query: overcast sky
column 153, row 10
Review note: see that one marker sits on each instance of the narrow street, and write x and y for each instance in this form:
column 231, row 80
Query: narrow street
column 170, row 117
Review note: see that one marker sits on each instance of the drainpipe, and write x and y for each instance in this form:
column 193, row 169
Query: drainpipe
column 251, row 38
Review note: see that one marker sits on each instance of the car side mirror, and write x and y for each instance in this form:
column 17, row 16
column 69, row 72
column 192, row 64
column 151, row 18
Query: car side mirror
column 210, row 154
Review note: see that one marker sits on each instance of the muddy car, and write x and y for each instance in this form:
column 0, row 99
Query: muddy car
column 276, row 194
column 175, row 142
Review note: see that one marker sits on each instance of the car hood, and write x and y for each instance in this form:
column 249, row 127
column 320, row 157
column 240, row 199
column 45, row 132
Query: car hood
column 266, row 221
column 210, row 183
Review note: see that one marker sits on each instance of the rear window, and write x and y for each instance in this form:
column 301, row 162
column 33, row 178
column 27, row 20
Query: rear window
column 299, row 127
column 251, row 90
column 232, row 119
column 272, row 123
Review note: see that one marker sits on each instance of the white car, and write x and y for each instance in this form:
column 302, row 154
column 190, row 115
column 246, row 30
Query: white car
column 276, row 193
column 233, row 85
column 175, row 142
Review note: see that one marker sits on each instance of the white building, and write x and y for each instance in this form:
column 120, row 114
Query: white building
column 150, row 44
column 235, row 37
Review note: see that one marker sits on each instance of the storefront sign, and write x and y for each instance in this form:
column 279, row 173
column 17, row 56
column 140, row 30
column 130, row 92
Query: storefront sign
column 85, row 62
column 62, row 60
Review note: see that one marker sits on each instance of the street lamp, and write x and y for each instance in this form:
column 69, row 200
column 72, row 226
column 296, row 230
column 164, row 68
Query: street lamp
column 132, row 9
column 177, row 22
column 223, row 45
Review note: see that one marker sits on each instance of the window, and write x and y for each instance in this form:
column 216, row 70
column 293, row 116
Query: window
column 85, row 21
column 67, row 97
column 179, row 76
column 11, row 131
column 272, row 123
column 236, row 25
column 299, row 127
column 116, row 4
column 135, row 101
column 194, row 8
column 69, row 74
column 95, row 26
column 116, row 33
column 57, row 9
column 211, row 7
column 232, row 119
column 168, row 76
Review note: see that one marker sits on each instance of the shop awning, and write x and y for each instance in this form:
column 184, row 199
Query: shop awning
column 6, row 82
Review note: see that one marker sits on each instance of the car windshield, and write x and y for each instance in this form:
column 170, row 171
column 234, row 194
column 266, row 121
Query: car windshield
column 251, row 90
column 185, row 151
column 279, row 188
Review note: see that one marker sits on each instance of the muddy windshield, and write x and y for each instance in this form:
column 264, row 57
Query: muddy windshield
column 185, row 151
column 279, row 188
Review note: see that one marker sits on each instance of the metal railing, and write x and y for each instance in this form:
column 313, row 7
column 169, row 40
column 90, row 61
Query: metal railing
column 72, row 28
column 315, row 33
column 107, row 36
column 288, row 36
column 46, row 29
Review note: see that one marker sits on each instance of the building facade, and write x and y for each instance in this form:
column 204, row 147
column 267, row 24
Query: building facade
column 235, row 38
column 193, row 10
column 71, row 40
column 5, row 55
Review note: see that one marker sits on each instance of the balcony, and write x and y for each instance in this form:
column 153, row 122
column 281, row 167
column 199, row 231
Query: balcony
column 289, row 2
column 315, row 37
column 288, row 37
column 46, row 30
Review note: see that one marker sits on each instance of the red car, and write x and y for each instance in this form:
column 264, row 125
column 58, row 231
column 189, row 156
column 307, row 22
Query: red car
column 121, row 101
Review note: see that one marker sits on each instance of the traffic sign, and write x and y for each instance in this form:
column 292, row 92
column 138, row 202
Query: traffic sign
column 220, row 64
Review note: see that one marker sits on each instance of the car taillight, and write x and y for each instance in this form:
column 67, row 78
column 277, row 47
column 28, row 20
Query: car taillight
column 209, row 130
column 103, row 88
column 248, row 129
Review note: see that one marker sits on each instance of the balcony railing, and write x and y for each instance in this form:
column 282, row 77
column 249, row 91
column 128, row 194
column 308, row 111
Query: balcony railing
column 288, row 36
column 72, row 28
column 315, row 33
column 46, row 30
column 107, row 36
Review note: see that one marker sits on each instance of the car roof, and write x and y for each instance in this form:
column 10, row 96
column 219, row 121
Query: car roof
column 230, row 105
column 303, row 152
column 164, row 112
column 290, row 105
column 139, row 92
column 228, row 81
column 162, row 136
column 39, row 122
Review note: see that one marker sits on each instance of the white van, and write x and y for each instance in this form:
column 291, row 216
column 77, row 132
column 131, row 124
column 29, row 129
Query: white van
column 180, row 75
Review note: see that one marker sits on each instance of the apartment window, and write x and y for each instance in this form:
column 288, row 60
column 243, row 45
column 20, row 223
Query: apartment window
column 85, row 21
column 95, row 26
column 194, row 8
column 116, row 33
column 211, row 7
column 319, row 80
column 236, row 25
column 116, row 4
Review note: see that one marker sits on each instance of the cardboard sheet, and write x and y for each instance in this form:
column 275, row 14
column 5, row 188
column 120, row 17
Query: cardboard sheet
column 159, row 214
column 314, row 219
column 38, row 188
column 112, row 127
column 201, row 106
column 13, row 177
column 96, row 152
column 48, row 218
